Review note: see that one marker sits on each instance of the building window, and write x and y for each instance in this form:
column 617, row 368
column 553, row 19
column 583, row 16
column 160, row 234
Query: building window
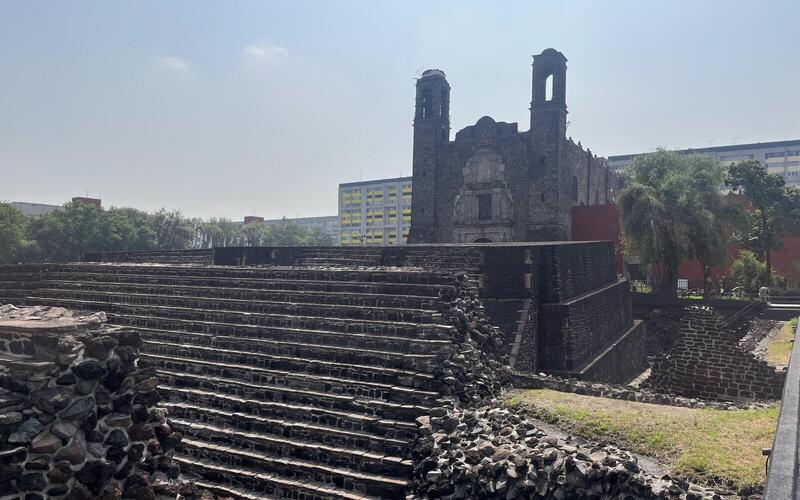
column 548, row 88
column 485, row 206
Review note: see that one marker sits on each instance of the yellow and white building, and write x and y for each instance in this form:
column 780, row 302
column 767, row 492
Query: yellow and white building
column 375, row 212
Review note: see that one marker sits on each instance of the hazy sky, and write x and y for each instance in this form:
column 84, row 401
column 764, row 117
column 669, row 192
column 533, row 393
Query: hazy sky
column 232, row 108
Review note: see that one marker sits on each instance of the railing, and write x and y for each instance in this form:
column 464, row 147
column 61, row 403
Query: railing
column 782, row 467
column 742, row 314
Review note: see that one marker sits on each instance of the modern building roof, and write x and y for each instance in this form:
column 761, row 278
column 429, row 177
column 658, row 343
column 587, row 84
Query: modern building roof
column 376, row 181
column 34, row 209
column 721, row 149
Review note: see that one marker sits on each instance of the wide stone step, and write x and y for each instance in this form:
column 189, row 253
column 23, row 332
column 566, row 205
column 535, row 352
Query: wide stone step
column 227, row 491
column 253, row 294
column 371, row 381
column 370, row 462
column 381, row 486
column 224, row 478
column 330, row 417
column 270, row 392
column 387, row 328
column 326, row 353
column 375, row 275
column 261, row 339
column 331, row 436
column 36, row 280
column 339, row 261
column 249, row 306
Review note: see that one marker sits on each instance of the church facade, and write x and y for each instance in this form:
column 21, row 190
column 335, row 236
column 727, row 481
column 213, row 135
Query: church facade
column 493, row 183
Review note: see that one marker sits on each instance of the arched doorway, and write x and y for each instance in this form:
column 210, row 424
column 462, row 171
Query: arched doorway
column 482, row 240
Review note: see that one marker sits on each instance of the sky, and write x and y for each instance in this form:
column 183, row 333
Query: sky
column 227, row 109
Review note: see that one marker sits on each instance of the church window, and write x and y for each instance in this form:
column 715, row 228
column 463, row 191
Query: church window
column 485, row 206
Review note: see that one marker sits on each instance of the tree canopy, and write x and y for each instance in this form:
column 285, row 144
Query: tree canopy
column 14, row 244
column 65, row 234
column 774, row 210
column 671, row 211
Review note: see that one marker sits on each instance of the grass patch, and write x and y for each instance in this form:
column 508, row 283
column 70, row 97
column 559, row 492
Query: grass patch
column 712, row 447
column 779, row 349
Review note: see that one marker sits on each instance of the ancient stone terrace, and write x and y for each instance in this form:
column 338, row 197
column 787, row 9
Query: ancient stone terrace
column 299, row 372
column 315, row 375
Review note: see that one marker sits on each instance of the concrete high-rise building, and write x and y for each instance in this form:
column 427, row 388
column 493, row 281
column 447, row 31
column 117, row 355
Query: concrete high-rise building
column 780, row 157
column 375, row 212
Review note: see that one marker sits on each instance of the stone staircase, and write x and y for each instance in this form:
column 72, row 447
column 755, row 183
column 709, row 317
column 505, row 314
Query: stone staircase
column 200, row 256
column 339, row 256
column 285, row 382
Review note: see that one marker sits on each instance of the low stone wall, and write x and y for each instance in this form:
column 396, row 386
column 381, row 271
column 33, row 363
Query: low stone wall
column 624, row 392
column 707, row 362
column 77, row 418
column 495, row 453
column 622, row 360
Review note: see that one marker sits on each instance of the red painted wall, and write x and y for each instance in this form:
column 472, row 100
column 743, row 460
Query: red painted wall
column 598, row 222
column 601, row 222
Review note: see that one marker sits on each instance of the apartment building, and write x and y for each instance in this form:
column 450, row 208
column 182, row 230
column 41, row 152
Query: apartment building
column 780, row 157
column 375, row 212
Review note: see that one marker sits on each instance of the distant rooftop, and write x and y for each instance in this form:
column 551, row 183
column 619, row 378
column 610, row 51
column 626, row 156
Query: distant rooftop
column 34, row 209
column 721, row 149
column 376, row 181
column 303, row 219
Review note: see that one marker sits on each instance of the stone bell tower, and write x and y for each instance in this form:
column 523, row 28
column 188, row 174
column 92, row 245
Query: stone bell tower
column 431, row 131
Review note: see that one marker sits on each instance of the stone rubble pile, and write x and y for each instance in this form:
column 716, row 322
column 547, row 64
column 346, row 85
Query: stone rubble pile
column 493, row 453
column 77, row 411
column 478, row 369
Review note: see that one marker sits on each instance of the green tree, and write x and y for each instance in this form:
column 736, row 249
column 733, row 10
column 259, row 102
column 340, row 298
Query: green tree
column 65, row 234
column 748, row 272
column 256, row 234
column 286, row 233
column 318, row 237
column 143, row 235
column 774, row 210
column 672, row 211
column 15, row 246
column 171, row 230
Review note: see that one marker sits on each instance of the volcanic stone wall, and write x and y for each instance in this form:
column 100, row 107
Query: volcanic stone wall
column 574, row 296
column 76, row 415
column 574, row 269
column 199, row 256
column 573, row 332
column 707, row 362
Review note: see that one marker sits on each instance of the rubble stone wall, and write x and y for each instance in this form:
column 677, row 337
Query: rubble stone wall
column 575, row 332
column 77, row 416
column 706, row 362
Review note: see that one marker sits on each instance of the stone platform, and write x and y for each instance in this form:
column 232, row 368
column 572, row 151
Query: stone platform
column 301, row 373
column 315, row 375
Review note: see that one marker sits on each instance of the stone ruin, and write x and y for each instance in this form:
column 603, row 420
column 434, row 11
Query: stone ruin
column 77, row 410
column 342, row 373
column 706, row 361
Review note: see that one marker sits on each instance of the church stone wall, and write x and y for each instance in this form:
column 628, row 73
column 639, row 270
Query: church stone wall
column 532, row 178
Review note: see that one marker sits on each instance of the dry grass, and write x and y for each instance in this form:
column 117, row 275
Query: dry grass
column 779, row 349
column 713, row 447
